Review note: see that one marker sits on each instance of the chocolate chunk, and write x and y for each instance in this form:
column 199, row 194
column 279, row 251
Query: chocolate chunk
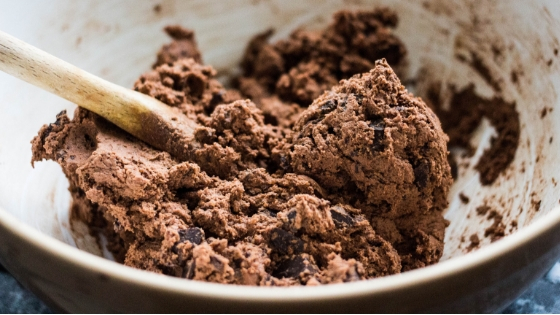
column 188, row 271
column 269, row 213
column 285, row 242
column 170, row 270
column 421, row 174
column 60, row 119
column 47, row 132
column 216, row 263
column 217, row 98
column 291, row 215
column 359, row 98
column 293, row 267
column 352, row 275
column 205, row 135
column 284, row 162
column 340, row 217
column 194, row 235
column 378, row 126
column 328, row 107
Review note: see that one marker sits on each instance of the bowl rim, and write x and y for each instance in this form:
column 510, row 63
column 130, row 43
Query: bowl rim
column 272, row 294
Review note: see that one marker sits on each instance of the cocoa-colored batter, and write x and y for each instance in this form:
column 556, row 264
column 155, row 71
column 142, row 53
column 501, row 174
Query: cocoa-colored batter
column 352, row 187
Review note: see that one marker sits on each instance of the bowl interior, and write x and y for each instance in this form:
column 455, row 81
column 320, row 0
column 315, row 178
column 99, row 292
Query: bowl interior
column 118, row 41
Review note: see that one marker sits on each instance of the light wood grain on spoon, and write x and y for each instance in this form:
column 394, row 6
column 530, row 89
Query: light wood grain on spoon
column 146, row 118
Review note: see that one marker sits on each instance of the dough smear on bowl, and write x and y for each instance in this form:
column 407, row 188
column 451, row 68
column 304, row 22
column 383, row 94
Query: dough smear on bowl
column 319, row 168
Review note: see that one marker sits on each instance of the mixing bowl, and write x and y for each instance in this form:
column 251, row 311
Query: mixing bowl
column 516, row 43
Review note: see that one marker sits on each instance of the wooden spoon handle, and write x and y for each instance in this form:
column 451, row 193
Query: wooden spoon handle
column 141, row 115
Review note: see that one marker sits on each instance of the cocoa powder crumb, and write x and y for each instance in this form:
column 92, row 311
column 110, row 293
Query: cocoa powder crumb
column 475, row 242
column 536, row 205
column 464, row 199
column 497, row 230
column 482, row 210
column 514, row 77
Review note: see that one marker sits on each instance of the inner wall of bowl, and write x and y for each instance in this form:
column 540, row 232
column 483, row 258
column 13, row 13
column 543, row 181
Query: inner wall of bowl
column 118, row 41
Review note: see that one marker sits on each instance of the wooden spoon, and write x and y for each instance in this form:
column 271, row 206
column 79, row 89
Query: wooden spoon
column 144, row 117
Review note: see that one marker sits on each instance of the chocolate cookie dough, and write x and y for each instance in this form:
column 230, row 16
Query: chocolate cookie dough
column 350, row 188
column 300, row 68
column 373, row 145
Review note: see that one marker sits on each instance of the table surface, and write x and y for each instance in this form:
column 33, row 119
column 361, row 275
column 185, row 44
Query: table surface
column 542, row 297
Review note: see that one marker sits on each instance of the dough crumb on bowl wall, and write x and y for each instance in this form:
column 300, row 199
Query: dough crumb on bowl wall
column 521, row 69
column 491, row 64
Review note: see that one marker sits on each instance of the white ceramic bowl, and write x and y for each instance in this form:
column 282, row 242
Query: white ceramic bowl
column 118, row 41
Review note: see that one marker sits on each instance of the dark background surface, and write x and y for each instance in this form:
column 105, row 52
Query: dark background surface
column 542, row 297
